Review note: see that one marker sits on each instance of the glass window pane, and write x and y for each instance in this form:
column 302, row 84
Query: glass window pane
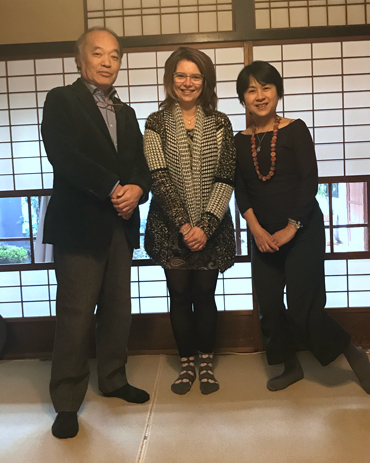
column 21, row 68
column 153, row 305
column 296, row 102
column 228, row 72
column 297, row 68
column 157, row 288
column 267, row 53
column 356, row 99
column 349, row 203
column 336, row 300
column 301, row 85
column 335, row 267
column 350, row 239
column 5, row 151
column 142, row 60
column 359, row 282
column 226, row 89
column 36, row 309
column 328, row 135
column 151, row 273
column 358, row 167
column 230, row 106
column 328, row 100
column 35, row 293
column 11, row 309
column 327, row 67
column 22, row 100
column 49, row 82
column 239, row 270
column 23, row 116
column 322, row 118
column 34, row 277
column 239, row 302
column 356, row 48
column 229, row 55
column 21, row 84
column 220, row 303
column 143, row 77
column 329, row 151
column 359, row 299
column 334, row 283
column 358, row 266
column 3, row 102
column 28, row 182
column 356, row 65
column 357, row 116
column 327, row 84
column 323, row 200
column 326, row 50
column 143, row 94
column 299, row 51
column 327, row 235
column 237, row 286
column 14, row 252
column 356, row 83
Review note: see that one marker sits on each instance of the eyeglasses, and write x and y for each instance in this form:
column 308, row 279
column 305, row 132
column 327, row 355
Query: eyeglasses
column 179, row 78
column 109, row 106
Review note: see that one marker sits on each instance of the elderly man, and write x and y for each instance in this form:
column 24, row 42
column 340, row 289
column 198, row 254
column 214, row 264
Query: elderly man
column 94, row 143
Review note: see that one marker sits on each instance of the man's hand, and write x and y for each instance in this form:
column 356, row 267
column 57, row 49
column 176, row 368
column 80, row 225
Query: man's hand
column 196, row 239
column 285, row 235
column 125, row 199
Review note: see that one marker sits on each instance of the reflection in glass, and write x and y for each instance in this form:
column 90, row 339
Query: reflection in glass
column 20, row 220
column 14, row 227
column 140, row 253
column 15, row 252
column 327, row 236
column 351, row 239
column 349, row 203
column 323, row 200
column 43, row 252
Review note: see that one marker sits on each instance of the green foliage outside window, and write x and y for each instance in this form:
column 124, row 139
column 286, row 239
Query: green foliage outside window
column 12, row 254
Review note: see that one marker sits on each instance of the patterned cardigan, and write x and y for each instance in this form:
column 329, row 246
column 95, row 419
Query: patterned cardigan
column 192, row 188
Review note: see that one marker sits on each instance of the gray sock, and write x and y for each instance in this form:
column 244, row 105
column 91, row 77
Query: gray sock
column 208, row 382
column 292, row 373
column 359, row 362
column 186, row 378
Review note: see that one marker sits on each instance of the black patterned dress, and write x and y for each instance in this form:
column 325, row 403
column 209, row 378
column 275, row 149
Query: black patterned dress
column 193, row 179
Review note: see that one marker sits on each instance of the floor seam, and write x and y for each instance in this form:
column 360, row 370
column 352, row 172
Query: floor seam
column 148, row 424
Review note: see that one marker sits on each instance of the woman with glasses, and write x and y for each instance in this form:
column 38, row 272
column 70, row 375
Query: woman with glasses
column 276, row 185
column 190, row 152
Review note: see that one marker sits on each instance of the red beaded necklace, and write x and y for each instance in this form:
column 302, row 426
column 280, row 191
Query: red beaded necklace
column 273, row 151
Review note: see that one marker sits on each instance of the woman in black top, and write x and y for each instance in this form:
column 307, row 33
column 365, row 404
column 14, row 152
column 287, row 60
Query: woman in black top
column 276, row 184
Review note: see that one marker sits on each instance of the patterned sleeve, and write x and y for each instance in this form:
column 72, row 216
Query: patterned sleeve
column 224, row 179
column 163, row 188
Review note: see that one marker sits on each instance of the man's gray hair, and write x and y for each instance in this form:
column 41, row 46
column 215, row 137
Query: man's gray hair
column 80, row 42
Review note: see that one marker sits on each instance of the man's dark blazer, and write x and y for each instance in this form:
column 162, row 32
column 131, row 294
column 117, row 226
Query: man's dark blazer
column 87, row 166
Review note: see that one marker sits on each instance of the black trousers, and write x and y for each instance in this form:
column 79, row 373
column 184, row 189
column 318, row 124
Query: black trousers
column 298, row 265
column 193, row 310
column 84, row 282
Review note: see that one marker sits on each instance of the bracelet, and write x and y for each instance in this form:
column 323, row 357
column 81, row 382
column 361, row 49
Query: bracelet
column 186, row 233
column 296, row 223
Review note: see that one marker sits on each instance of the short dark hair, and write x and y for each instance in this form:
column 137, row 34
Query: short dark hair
column 264, row 73
column 80, row 42
column 208, row 97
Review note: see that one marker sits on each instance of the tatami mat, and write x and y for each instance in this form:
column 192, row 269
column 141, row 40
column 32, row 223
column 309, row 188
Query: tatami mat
column 323, row 419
